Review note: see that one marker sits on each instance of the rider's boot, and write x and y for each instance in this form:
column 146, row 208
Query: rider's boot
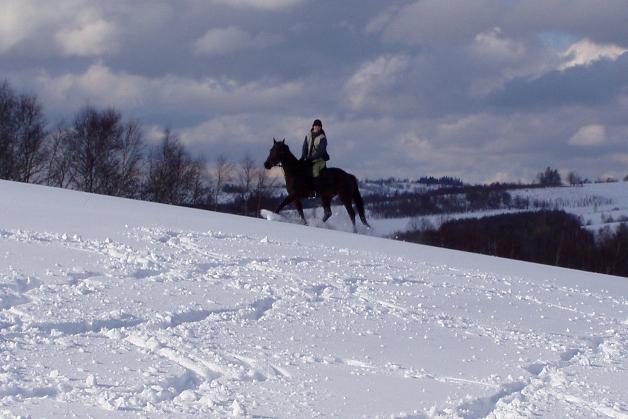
column 317, row 187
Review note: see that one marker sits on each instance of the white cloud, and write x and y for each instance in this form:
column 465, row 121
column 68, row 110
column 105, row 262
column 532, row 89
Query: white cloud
column 381, row 21
column 91, row 36
column 98, row 85
column 492, row 45
column 413, row 144
column 585, row 52
column 12, row 28
column 432, row 22
column 225, row 40
column 171, row 94
column 589, row 136
column 260, row 4
column 72, row 27
column 224, row 128
column 496, row 59
column 365, row 87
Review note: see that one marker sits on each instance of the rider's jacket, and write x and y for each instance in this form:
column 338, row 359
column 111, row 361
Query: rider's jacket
column 315, row 148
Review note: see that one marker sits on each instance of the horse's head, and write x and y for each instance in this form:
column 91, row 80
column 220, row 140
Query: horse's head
column 277, row 154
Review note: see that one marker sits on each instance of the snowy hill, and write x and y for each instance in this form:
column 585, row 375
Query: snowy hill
column 119, row 308
column 597, row 204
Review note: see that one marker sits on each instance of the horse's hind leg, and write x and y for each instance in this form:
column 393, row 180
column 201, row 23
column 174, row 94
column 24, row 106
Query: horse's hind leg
column 326, row 208
column 346, row 200
column 297, row 203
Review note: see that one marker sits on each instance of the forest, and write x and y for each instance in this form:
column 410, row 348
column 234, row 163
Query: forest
column 548, row 237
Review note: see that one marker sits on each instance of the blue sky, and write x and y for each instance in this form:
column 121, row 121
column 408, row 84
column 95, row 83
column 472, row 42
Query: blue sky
column 482, row 89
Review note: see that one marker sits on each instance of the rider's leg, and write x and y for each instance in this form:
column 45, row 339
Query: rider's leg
column 317, row 167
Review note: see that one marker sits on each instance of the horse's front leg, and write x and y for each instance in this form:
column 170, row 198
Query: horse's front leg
column 297, row 203
column 285, row 202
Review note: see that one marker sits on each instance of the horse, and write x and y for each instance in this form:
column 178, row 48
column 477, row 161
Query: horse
column 300, row 184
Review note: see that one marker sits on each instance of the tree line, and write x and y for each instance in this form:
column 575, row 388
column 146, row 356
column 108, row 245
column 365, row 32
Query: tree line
column 100, row 151
column 548, row 237
column 448, row 200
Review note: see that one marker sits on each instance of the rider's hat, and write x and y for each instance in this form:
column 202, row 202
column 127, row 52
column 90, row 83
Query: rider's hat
column 317, row 122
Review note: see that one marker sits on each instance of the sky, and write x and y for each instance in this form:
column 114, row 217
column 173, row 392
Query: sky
column 483, row 90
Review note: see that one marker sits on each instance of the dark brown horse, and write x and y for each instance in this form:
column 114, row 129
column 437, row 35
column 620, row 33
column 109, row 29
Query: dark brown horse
column 300, row 183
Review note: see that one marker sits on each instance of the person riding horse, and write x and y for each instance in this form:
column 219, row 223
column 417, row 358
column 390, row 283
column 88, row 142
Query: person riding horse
column 298, row 175
column 315, row 151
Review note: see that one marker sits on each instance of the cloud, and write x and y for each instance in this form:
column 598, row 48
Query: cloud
column 12, row 27
column 429, row 22
column 167, row 95
column 621, row 158
column 260, row 4
column 69, row 27
column 585, row 52
column 379, row 23
column 369, row 85
column 91, row 36
column 589, row 136
column 493, row 46
column 98, row 85
column 603, row 22
column 599, row 83
column 412, row 143
column 225, row 40
column 405, row 87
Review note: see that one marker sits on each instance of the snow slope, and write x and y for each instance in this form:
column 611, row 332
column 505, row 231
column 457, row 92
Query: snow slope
column 119, row 308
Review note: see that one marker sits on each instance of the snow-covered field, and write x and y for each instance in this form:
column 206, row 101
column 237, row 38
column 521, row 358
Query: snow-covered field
column 119, row 308
column 597, row 204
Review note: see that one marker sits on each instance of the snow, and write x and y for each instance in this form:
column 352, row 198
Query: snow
column 597, row 204
column 120, row 308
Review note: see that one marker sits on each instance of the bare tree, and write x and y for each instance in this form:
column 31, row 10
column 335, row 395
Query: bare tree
column 173, row 176
column 58, row 172
column 549, row 178
column 130, row 160
column 200, row 183
column 223, row 171
column 30, row 153
column 22, row 136
column 574, row 179
column 7, row 106
column 246, row 176
column 264, row 184
column 94, row 145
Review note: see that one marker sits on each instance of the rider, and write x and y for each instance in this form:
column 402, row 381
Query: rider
column 315, row 150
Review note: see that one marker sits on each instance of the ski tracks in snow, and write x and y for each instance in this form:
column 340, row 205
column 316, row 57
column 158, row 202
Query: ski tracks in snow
column 167, row 322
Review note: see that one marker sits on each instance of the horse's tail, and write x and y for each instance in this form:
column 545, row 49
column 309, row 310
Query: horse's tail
column 359, row 203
